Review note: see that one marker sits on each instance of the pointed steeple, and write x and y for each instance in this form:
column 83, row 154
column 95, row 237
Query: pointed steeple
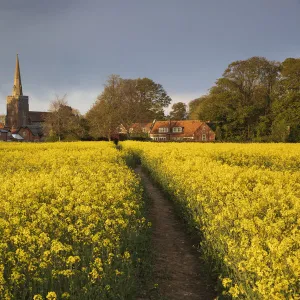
column 17, row 89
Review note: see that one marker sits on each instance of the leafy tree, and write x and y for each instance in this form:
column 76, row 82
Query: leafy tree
column 194, row 107
column 126, row 101
column 286, row 105
column 241, row 100
column 141, row 100
column 63, row 122
column 152, row 99
column 179, row 111
column 104, row 115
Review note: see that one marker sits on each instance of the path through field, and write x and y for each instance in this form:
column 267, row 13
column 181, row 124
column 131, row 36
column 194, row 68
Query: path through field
column 177, row 268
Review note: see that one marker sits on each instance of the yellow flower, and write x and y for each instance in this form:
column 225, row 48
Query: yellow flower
column 51, row 296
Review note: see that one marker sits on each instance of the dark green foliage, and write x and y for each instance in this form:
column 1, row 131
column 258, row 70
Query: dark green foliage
column 255, row 100
column 178, row 111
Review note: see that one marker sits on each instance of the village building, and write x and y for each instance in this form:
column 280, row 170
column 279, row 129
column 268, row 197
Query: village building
column 120, row 133
column 4, row 135
column 31, row 133
column 182, row 130
column 140, row 130
column 19, row 119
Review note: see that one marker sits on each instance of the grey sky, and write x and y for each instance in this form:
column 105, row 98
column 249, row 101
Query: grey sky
column 73, row 46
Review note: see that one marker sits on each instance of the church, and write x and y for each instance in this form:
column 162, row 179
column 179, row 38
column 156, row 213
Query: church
column 19, row 119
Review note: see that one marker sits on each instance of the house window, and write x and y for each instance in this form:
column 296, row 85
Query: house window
column 177, row 129
column 162, row 138
column 144, row 129
column 130, row 130
column 203, row 137
column 24, row 133
column 163, row 129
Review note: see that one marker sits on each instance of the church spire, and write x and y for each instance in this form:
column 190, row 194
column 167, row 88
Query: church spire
column 17, row 89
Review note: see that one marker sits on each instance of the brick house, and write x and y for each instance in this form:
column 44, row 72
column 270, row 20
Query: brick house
column 5, row 135
column 140, row 129
column 183, row 130
column 31, row 133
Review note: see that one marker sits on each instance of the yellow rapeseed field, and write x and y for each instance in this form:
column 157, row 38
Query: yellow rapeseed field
column 245, row 200
column 71, row 222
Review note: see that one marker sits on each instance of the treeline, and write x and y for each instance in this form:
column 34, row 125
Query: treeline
column 126, row 101
column 255, row 100
column 123, row 101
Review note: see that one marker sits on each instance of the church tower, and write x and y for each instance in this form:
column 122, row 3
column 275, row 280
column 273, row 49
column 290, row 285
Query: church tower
column 17, row 105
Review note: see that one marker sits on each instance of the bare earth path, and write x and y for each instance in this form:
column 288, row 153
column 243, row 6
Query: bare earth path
column 177, row 268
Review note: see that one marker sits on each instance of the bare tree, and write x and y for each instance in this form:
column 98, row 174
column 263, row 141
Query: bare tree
column 2, row 119
column 63, row 121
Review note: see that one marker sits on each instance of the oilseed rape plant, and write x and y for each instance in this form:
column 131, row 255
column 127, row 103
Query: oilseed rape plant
column 245, row 201
column 71, row 222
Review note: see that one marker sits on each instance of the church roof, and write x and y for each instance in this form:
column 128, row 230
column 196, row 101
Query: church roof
column 35, row 129
column 37, row 116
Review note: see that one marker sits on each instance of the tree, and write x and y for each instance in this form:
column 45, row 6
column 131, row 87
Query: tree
column 2, row 119
column 179, row 111
column 104, row 115
column 152, row 99
column 126, row 101
column 63, row 122
column 286, row 104
column 250, row 83
column 193, row 108
column 141, row 100
column 241, row 100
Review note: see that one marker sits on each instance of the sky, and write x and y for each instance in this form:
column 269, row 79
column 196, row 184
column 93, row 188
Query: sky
column 72, row 46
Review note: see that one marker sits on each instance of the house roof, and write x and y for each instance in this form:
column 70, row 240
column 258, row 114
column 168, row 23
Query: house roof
column 35, row 130
column 190, row 126
column 3, row 131
column 37, row 116
column 17, row 136
column 121, row 129
column 139, row 126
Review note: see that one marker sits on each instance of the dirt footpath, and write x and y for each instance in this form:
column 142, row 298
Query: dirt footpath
column 177, row 268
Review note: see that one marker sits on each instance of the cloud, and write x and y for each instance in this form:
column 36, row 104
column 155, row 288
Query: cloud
column 79, row 99
column 82, row 99
column 40, row 99
column 2, row 103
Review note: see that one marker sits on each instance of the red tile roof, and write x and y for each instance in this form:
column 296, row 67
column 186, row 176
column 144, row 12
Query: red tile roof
column 189, row 126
